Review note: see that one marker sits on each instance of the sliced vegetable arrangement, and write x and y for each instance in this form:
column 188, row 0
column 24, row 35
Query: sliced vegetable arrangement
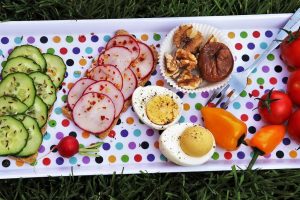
column 96, row 101
column 27, row 94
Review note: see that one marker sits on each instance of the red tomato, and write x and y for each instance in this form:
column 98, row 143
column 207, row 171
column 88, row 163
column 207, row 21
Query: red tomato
column 290, row 50
column 275, row 107
column 294, row 126
column 293, row 87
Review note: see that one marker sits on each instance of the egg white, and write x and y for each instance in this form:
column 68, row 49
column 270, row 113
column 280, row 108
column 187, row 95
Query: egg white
column 142, row 95
column 169, row 146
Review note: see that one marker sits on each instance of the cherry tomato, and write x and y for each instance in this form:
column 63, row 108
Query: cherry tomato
column 294, row 126
column 275, row 107
column 290, row 50
column 293, row 87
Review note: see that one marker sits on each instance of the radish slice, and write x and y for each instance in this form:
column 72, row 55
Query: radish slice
column 111, row 91
column 94, row 112
column 107, row 73
column 144, row 64
column 125, row 41
column 118, row 56
column 130, row 83
column 77, row 90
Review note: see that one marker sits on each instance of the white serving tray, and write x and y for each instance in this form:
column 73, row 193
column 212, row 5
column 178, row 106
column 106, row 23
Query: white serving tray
column 131, row 139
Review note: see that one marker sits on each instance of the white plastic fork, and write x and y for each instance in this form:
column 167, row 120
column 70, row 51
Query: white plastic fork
column 238, row 81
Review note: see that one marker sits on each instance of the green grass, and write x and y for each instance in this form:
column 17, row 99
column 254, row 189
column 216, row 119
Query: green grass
column 88, row 9
column 259, row 184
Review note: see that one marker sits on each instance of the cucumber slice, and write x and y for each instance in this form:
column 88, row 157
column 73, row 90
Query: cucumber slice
column 11, row 106
column 13, row 136
column 31, row 52
column 44, row 88
column 38, row 111
column 20, row 86
column 56, row 68
column 35, row 137
column 20, row 64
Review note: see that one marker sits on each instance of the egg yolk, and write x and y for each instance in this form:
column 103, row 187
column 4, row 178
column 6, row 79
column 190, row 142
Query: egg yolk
column 162, row 109
column 196, row 141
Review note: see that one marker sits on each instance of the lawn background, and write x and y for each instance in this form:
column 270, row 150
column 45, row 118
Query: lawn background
column 258, row 184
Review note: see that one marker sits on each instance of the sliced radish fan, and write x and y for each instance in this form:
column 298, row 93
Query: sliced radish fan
column 118, row 56
column 111, row 91
column 94, row 112
column 107, row 73
column 98, row 100
column 144, row 64
column 130, row 83
column 125, row 41
column 77, row 90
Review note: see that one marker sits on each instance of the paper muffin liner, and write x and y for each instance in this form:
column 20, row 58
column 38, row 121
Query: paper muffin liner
column 168, row 47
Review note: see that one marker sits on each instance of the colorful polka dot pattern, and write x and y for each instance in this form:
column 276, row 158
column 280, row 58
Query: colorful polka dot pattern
column 131, row 141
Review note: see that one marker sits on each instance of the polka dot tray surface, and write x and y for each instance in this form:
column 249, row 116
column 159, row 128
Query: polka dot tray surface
column 131, row 146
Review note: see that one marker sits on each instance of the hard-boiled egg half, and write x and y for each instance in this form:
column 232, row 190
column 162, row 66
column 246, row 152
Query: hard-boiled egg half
column 187, row 144
column 156, row 106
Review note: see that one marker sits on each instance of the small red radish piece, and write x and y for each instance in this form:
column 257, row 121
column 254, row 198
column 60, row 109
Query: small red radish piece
column 118, row 56
column 69, row 146
column 130, row 83
column 94, row 112
column 77, row 90
column 111, row 91
column 127, row 41
column 144, row 64
column 107, row 73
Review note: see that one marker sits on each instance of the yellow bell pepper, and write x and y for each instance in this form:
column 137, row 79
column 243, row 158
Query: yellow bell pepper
column 229, row 132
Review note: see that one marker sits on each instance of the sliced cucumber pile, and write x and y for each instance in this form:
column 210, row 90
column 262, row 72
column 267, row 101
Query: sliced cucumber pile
column 27, row 92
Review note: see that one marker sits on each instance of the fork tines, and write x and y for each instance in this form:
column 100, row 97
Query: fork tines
column 224, row 93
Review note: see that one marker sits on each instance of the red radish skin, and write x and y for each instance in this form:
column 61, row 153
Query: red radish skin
column 130, row 83
column 144, row 64
column 76, row 91
column 118, row 56
column 127, row 41
column 107, row 73
column 94, row 112
column 111, row 91
column 68, row 146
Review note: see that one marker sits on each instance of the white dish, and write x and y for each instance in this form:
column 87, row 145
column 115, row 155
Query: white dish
column 168, row 47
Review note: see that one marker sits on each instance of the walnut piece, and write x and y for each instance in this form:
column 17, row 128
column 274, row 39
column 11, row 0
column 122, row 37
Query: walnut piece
column 188, row 38
column 186, row 59
column 181, row 34
column 172, row 65
column 194, row 43
column 188, row 80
